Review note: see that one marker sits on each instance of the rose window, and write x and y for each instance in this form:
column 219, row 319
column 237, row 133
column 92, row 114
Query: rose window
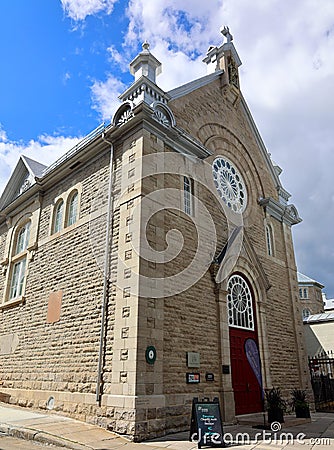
column 230, row 185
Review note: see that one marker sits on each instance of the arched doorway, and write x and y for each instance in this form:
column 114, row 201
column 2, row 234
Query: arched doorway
column 242, row 326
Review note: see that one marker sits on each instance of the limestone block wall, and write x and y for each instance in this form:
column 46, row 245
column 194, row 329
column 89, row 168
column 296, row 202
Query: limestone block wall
column 59, row 358
column 223, row 127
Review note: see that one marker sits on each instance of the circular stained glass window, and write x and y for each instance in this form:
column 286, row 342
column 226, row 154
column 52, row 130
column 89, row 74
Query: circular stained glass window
column 230, row 184
column 240, row 305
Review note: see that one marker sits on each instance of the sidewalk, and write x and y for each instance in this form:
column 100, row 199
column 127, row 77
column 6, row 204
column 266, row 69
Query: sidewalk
column 62, row 431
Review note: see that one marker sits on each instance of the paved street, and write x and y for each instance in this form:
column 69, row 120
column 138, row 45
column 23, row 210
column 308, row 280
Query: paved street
column 9, row 443
column 37, row 429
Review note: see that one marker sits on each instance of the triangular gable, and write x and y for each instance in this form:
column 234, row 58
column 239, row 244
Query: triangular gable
column 254, row 259
column 226, row 260
column 22, row 177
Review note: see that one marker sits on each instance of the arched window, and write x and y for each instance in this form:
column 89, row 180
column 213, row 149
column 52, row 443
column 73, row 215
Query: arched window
column 240, row 303
column 306, row 313
column 58, row 216
column 188, row 195
column 19, row 263
column 72, row 208
column 23, row 238
column 269, row 239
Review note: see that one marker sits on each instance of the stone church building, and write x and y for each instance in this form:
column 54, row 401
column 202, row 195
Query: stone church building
column 152, row 263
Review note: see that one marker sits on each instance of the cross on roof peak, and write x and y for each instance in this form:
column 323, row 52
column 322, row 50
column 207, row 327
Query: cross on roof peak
column 225, row 31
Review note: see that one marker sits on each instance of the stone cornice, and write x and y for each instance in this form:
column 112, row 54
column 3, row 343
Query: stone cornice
column 144, row 90
column 287, row 214
column 176, row 138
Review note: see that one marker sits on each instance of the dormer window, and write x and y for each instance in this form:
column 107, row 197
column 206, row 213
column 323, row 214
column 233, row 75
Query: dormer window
column 26, row 185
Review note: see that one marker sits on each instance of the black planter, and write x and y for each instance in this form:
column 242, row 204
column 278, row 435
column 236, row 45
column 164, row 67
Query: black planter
column 303, row 412
column 275, row 415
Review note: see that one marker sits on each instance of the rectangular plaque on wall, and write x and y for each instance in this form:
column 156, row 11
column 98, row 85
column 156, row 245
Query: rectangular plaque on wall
column 193, row 359
column 54, row 306
column 226, row 369
column 192, row 378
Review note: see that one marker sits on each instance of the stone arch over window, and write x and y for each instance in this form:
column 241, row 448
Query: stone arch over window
column 240, row 303
column 66, row 209
column 72, row 207
column 163, row 114
column 259, row 285
column 123, row 114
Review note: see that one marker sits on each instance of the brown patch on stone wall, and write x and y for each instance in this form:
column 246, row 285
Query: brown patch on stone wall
column 54, row 307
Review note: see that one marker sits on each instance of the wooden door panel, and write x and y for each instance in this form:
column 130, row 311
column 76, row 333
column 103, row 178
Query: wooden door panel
column 247, row 392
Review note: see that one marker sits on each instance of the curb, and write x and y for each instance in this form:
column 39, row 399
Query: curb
column 39, row 436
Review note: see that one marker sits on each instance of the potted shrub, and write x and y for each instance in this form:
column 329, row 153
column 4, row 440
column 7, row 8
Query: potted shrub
column 276, row 405
column 300, row 404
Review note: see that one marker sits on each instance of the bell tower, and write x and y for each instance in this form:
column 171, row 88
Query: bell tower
column 224, row 58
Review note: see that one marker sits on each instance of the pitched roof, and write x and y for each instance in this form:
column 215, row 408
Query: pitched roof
column 36, row 168
column 304, row 279
column 25, row 171
column 185, row 89
column 322, row 317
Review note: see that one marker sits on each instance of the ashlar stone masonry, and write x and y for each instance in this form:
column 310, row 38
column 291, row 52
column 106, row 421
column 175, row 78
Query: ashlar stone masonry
column 146, row 257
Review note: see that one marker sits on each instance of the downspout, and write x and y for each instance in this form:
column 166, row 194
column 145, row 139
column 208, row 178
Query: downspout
column 108, row 244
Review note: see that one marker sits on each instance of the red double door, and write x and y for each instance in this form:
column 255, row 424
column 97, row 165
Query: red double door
column 247, row 390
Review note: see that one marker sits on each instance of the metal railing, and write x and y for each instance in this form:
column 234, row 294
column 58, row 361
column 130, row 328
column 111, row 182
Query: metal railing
column 82, row 143
column 322, row 377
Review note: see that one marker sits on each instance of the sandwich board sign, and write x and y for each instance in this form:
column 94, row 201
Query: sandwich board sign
column 206, row 425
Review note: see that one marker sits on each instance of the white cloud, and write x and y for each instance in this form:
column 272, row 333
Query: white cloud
column 78, row 10
column 105, row 96
column 3, row 134
column 120, row 59
column 45, row 150
column 287, row 78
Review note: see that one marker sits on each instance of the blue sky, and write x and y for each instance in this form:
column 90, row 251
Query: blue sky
column 64, row 62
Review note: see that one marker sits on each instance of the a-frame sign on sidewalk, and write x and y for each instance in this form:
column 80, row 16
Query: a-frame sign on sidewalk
column 206, row 425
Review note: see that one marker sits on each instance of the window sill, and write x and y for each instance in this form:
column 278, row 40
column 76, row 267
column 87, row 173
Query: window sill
column 14, row 302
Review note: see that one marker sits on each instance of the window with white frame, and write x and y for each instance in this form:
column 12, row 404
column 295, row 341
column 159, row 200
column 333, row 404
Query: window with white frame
column 72, row 208
column 303, row 292
column 188, row 196
column 65, row 212
column 306, row 313
column 23, row 238
column 19, row 262
column 240, row 303
column 58, row 216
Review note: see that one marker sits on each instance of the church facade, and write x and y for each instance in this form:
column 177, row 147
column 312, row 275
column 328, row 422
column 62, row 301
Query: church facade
column 152, row 263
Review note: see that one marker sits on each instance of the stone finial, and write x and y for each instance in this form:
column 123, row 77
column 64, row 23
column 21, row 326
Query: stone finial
column 146, row 46
column 226, row 32
column 145, row 64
